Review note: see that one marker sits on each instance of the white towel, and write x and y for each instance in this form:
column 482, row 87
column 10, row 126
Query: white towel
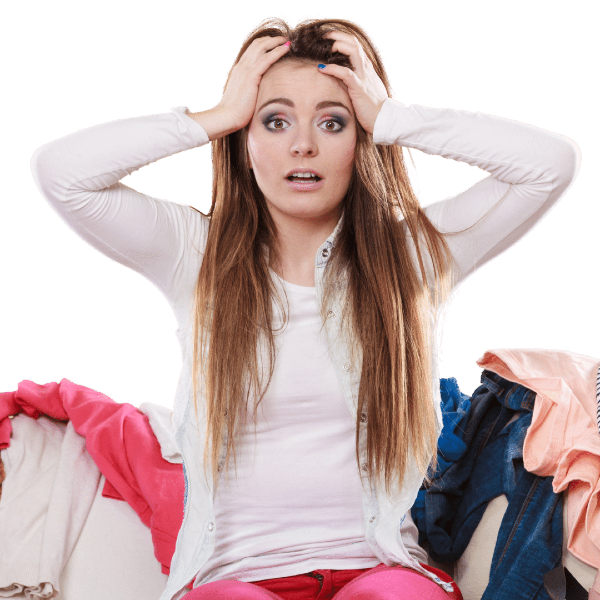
column 49, row 488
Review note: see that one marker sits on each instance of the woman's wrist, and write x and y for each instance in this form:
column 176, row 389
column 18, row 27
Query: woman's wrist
column 216, row 122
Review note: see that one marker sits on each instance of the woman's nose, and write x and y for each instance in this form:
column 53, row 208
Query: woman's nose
column 304, row 143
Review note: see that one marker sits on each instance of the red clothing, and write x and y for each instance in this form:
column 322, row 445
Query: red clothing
column 122, row 443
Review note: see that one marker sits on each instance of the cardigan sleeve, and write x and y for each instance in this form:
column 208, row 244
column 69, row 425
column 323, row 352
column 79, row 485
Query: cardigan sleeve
column 79, row 175
column 529, row 168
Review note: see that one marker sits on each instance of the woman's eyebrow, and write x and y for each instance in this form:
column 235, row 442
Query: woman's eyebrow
column 288, row 102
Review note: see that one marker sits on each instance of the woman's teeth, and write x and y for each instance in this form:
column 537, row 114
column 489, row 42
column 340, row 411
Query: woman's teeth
column 307, row 178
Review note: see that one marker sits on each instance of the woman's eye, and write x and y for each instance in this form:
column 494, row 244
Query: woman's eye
column 332, row 125
column 276, row 124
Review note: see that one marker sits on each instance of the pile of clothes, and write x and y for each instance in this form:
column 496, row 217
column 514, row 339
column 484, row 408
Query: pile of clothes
column 530, row 431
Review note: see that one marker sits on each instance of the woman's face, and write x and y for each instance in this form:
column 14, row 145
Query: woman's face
column 303, row 121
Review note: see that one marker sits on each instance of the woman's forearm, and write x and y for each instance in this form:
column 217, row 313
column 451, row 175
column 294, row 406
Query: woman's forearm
column 216, row 122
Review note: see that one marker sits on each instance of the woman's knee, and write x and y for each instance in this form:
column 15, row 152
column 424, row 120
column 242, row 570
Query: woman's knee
column 227, row 589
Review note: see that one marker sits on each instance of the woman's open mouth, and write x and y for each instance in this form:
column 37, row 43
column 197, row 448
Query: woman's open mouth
column 304, row 184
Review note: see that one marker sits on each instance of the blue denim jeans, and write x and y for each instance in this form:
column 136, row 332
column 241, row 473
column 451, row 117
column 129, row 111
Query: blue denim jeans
column 529, row 542
column 450, row 447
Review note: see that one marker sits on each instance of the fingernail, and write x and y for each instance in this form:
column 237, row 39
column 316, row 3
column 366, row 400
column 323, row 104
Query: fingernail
column 287, row 44
column 322, row 66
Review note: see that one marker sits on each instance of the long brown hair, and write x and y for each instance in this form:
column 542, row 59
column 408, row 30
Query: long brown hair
column 387, row 301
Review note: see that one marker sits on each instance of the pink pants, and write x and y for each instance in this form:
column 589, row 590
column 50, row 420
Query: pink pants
column 377, row 583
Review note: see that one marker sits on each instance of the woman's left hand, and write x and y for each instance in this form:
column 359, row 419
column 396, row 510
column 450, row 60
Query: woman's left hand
column 365, row 88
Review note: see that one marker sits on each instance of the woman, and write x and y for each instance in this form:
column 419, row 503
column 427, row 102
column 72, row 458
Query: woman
column 303, row 291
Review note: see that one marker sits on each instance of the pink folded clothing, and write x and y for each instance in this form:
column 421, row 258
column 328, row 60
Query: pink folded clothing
column 563, row 439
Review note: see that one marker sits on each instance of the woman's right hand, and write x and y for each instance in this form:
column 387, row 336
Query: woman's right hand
column 236, row 108
column 239, row 98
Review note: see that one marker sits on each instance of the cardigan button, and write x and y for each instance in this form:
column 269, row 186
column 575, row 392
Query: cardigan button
column 347, row 367
column 330, row 314
column 210, row 526
column 363, row 417
column 364, row 467
column 371, row 519
column 325, row 252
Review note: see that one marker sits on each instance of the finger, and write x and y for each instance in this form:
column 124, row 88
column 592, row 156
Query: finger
column 265, row 51
column 276, row 53
column 273, row 51
column 260, row 45
column 272, row 56
column 345, row 76
column 350, row 50
column 267, row 42
column 336, row 34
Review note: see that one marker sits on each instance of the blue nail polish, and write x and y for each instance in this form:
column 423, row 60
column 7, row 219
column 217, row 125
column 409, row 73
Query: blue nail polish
column 322, row 66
